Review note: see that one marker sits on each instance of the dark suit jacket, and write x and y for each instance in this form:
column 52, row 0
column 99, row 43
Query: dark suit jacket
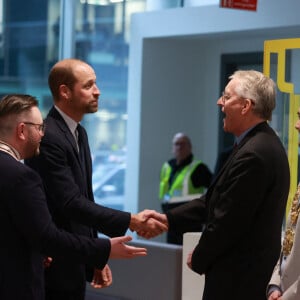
column 27, row 231
column 243, row 212
column 70, row 198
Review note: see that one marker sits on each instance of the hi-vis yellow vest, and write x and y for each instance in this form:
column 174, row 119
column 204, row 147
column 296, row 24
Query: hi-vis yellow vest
column 182, row 184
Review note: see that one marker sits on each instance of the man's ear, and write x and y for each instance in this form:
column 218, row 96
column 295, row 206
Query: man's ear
column 20, row 131
column 64, row 92
column 247, row 106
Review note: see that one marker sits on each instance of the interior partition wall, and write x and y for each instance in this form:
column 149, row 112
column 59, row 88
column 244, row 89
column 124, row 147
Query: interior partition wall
column 175, row 81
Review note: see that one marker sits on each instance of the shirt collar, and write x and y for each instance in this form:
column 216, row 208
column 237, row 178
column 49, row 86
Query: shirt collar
column 239, row 138
column 70, row 122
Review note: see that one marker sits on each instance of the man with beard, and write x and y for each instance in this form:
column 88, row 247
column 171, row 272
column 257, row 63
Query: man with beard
column 27, row 231
column 65, row 166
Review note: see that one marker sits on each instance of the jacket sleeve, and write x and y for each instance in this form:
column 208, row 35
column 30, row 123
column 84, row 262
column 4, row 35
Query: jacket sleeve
column 30, row 214
column 275, row 279
column 291, row 274
column 201, row 176
column 293, row 292
column 189, row 217
column 56, row 164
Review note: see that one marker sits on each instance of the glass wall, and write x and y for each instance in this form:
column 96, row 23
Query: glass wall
column 30, row 35
column 27, row 47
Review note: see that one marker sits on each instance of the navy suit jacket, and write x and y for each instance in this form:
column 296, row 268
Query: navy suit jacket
column 28, row 233
column 70, row 198
column 242, row 211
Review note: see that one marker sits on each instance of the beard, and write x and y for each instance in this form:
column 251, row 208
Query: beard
column 92, row 108
column 32, row 147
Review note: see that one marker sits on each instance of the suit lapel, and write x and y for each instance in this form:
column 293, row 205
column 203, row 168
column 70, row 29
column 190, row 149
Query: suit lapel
column 228, row 161
column 250, row 134
column 225, row 166
column 62, row 125
column 54, row 114
column 87, row 172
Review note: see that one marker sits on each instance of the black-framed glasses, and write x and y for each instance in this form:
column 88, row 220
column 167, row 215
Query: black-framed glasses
column 40, row 127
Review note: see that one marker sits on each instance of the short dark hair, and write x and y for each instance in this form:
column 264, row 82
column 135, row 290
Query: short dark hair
column 63, row 73
column 15, row 104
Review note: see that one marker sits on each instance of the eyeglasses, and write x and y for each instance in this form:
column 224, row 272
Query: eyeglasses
column 40, row 127
column 225, row 97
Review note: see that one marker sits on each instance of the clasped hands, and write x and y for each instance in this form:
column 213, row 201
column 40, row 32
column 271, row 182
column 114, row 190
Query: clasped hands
column 149, row 223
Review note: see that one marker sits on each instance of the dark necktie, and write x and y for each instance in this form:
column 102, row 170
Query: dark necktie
column 81, row 147
column 235, row 145
column 82, row 141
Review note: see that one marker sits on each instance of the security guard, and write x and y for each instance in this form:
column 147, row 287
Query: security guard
column 181, row 177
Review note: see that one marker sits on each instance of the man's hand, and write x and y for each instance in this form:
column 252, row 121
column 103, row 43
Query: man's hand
column 148, row 213
column 121, row 250
column 102, row 278
column 189, row 260
column 276, row 295
column 47, row 261
column 148, row 223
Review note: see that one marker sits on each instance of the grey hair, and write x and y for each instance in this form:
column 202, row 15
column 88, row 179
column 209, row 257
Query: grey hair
column 259, row 88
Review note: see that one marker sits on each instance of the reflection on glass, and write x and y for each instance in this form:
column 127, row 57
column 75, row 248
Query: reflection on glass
column 102, row 40
column 29, row 46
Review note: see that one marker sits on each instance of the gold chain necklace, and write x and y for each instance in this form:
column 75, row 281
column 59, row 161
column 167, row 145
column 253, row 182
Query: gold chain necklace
column 290, row 230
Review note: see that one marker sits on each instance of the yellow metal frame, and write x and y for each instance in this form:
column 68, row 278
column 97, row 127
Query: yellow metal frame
column 279, row 47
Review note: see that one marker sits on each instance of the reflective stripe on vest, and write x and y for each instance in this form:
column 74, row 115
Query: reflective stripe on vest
column 182, row 184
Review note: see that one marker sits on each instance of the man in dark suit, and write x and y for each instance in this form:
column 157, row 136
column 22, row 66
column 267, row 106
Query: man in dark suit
column 243, row 208
column 65, row 166
column 221, row 159
column 27, row 230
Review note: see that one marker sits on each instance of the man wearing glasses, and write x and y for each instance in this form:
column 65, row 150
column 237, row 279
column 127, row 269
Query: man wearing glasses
column 27, row 231
column 244, row 206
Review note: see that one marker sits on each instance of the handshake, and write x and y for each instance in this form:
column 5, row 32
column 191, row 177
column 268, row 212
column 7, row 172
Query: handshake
column 149, row 223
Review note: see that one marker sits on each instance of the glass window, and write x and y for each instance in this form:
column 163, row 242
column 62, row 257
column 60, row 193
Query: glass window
column 29, row 46
column 102, row 34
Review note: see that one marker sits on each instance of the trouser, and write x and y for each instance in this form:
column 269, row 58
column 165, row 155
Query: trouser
column 65, row 295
